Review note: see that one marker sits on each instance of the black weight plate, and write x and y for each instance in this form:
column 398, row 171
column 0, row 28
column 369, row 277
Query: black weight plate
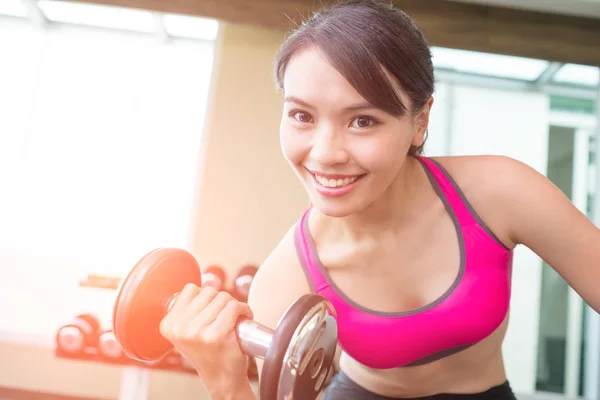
column 142, row 298
column 271, row 370
column 304, row 383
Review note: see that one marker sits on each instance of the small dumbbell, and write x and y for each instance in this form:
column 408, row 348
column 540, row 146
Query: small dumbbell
column 214, row 276
column 109, row 347
column 243, row 281
column 80, row 333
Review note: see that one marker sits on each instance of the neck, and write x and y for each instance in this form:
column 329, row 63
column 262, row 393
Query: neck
column 393, row 210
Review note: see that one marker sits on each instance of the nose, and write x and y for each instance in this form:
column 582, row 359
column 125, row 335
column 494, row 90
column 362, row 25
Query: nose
column 328, row 147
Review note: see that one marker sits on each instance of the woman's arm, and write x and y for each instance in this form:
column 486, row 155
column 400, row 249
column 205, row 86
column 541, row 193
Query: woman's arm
column 278, row 283
column 541, row 217
column 201, row 324
column 241, row 392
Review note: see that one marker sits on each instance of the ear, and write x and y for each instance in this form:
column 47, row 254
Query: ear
column 421, row 123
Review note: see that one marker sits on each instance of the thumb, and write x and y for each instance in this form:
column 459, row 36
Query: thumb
column 245, row 311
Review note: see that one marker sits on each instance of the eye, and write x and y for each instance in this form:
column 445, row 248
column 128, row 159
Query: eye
column 301, row 116
column 363, row 122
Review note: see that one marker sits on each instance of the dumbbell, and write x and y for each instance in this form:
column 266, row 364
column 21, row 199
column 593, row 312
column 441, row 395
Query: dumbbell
column 241, row 285
column 214, row 276
column 298, row 354
column 109, row 347
column 77, row 335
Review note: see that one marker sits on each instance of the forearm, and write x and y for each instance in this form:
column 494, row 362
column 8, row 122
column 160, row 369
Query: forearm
column 241, row 391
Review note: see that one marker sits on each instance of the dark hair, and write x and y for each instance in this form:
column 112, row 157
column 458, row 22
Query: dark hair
column 364, row 39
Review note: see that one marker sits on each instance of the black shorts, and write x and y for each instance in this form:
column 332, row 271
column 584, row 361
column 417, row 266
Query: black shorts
column 343, row 388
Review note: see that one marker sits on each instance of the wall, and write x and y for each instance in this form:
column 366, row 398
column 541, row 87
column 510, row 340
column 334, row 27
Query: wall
column 440, row 121
column 248, row 196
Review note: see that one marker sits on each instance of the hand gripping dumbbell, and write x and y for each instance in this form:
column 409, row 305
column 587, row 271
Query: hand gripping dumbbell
column 241, row 285
column 81, row 333
column 298, row 354
column 214, row 276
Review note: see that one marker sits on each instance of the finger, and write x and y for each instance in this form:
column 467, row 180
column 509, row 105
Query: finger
column 224, row 325
column 232, row 313
column 185, row 297
column 167, row 325
column 197, row 306
column 210, row 313
column 245, row 310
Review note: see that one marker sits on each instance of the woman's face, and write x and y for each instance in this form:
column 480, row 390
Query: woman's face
column 346, row 152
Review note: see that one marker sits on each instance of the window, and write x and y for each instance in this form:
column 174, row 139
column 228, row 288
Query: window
column 525, row 70
column 495, row 65
column 99, row 138
column 582, row 75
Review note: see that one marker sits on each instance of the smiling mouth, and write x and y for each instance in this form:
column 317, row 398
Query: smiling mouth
column 335, row 182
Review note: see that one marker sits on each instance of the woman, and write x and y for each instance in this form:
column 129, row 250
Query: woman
column 417, row 250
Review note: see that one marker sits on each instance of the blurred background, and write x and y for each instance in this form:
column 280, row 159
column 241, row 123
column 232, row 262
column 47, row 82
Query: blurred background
column 127, row 125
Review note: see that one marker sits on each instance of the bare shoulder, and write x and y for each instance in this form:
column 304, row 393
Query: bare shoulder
column 490, row 173
column 481, row 164
column 279, row 281
column 493, row 184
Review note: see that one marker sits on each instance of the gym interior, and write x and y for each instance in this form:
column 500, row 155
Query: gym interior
column 128, row 125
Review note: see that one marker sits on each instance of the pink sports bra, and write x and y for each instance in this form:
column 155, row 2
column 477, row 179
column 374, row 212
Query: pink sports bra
column 473, row 307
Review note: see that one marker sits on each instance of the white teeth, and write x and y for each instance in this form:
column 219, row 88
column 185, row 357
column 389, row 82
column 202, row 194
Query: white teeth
column 333, row 183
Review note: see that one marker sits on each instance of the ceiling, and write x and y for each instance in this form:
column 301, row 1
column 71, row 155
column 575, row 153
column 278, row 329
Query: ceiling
column 584, row 8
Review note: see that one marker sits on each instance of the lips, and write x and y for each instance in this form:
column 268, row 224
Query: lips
column 335, row 182
column 334, row 185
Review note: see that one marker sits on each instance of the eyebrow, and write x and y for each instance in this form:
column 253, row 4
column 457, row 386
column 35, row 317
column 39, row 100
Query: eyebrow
column 353, row 107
